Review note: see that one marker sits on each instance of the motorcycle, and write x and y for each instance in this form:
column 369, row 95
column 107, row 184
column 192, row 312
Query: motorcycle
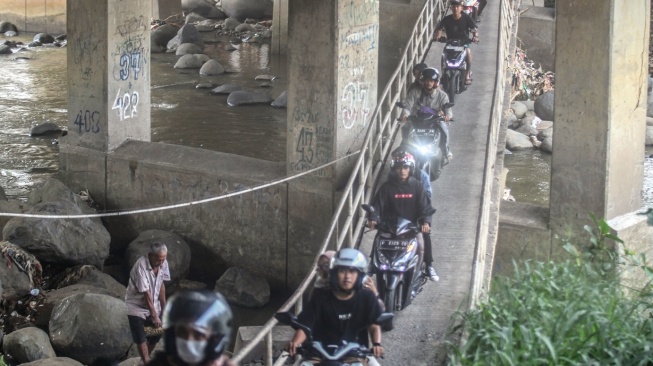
column 425, row 141
column 399, row 269
column 454, row 67
column 345, row 354
column 470, row 7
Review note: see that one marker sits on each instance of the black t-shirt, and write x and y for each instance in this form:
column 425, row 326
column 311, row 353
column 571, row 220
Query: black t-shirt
column 457, row 28
column 332, row 320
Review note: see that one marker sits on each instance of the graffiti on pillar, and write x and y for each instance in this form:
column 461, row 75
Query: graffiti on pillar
column 88, row 121
column 126, row 104
column 304, row 114
column 355, row 107
column 312, row 149
column 305, row 145
column 359, row 12
column 130, row 49
column 366, row 35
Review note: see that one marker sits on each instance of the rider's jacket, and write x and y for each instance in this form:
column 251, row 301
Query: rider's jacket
column 418, row 98
column 397, row 198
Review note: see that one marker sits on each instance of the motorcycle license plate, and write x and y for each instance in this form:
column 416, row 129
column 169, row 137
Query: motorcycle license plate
column 424, row 132
column 456, row 48
column 392, row 244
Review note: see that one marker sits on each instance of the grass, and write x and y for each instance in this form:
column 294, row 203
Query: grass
column 572, row 312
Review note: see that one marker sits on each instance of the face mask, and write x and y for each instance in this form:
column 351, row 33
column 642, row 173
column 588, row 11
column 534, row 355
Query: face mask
column 191, row 352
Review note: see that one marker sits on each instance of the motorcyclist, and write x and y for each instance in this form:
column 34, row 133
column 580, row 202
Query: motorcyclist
column 422, row 177
column 345, row 313
column 417, row 73
column 429, row 100
column 403, row 196
column 197, row 326
column 458, row 25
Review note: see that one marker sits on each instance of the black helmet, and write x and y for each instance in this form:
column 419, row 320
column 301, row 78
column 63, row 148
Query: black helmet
column 403, row 158
column 420, row 67
column 456, row 2
column 430, row 73
column 205, row 311
column 348, row 258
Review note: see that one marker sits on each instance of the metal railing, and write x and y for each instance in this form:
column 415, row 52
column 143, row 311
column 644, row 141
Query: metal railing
column 348, row 221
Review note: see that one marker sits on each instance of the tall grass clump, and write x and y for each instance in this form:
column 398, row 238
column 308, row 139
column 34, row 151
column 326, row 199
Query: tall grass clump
column 571, row 312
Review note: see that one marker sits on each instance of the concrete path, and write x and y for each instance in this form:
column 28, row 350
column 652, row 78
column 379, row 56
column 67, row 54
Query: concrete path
column 421, row 328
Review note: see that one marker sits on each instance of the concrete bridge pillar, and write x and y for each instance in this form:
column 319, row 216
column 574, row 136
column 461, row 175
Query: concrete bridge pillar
column 162, row 9
column 600, row 108
column 280, row 27
column 108, row 85
column 332, row 58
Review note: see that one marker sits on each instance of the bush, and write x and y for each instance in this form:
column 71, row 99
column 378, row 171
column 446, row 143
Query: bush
column 573, row 312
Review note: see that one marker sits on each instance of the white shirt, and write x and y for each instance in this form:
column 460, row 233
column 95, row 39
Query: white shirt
column 141, row 280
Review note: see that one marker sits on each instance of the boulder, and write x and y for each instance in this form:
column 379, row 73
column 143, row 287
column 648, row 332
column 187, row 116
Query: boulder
column 242, row 9
column 56, row 361
column 547, row 144
column 244, row 27
column 178, row 251
column 10, row 34
column 90, row 327
column 45, row 129
column 188, row 49
column 265, row 77
column 517, row 141
column 204, row 28
column 242, row 288
column 35, row 44
column 15, row 283
column 205, row 8
column 5, row 50
column 519, row 109
column 245, row 97
column 226, row 89
column 54, row 190
column 53, row 298
column 281, row 101
column 544, row 125
column 211, row 68
column 163, row 34
column 513, row 121
column 545, row 133
column 62, row 241
column 28, row 344
column 231, row 24
column 43, row 38
column 189, row 34
column 530, row 104
column 206, row 85
column 89, row 276
column 7, row 26
column 527, row 130
column 543, row 106
column 193, row 18
column 530, row 120
column 189, row 62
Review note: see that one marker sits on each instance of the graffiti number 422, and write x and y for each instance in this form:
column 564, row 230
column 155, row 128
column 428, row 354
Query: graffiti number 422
column 126, row 104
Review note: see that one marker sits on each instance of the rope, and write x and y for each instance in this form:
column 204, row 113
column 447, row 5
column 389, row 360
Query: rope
column 179, row 205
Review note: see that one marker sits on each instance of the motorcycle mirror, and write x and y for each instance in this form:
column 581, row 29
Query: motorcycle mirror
column 285, row 317
column 448, row 105
column 368, row 208
column 384, row 318
column 400, row 105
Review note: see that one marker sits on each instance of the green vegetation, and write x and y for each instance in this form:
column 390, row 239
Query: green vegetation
column 572, row 312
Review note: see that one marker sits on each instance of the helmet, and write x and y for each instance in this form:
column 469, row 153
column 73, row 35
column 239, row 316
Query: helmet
column 420, row 67
column 456, row 2
column 348, row 258
column 205, row 311
column 403, row 158
column 430, row 73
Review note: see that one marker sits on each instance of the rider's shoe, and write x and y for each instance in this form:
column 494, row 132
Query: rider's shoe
column 433, row 276
column 449, row 156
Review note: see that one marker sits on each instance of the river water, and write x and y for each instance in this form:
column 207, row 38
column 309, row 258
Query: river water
column 33, row 91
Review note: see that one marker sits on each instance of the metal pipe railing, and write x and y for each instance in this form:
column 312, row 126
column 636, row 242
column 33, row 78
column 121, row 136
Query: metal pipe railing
column 375, row 148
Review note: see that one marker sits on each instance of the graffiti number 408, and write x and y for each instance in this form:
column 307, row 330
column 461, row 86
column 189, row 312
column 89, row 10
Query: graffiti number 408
column 88, row 121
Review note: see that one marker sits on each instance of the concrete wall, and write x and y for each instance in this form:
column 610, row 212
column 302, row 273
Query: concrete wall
column 396, row 22
column 537, row 35
column 247, row 231
column 35, row 15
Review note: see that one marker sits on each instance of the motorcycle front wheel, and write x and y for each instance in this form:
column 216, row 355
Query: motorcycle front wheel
column 451, row 86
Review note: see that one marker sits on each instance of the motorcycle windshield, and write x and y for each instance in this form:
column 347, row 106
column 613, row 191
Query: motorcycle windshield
column 402, row 227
